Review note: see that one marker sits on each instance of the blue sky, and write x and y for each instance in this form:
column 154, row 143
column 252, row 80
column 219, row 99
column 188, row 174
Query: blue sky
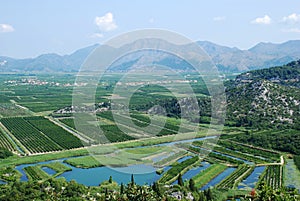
column 32, row 27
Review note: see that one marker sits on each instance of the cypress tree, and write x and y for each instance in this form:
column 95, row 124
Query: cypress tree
column 180, row 181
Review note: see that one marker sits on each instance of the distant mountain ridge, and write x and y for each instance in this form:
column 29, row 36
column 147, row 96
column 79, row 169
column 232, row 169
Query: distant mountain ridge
column 227, row 59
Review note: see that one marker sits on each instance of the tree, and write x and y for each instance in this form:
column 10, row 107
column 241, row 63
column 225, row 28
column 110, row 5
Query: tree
column 192, row 185
column 208, row 194
column 132, row 180
column 180, row 180
column 110, row 179
column 122, row 189
column 156, row 188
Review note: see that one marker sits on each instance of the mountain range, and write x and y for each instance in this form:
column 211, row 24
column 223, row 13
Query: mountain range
column 227, row 59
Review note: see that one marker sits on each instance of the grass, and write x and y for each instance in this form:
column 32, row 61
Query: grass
column 148, row 150
column 58, row 167
column 16, row 160
column 208, row 174
column 291, row 174
column 84, row 162
column 120, row 158
column 170, row 159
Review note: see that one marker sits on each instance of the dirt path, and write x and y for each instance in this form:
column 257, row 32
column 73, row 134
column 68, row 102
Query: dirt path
column 254, row 147
column 84, row 139
column 268, row 164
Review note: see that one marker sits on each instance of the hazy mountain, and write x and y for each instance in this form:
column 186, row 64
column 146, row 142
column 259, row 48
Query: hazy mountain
column 47, row 62
column 227, row 59
column 267, row 97
column 262, row 55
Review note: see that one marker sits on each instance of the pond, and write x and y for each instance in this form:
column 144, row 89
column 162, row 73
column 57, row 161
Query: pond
column 183, row 159
column 49, row 170
column 251, row 180
column 94, row 176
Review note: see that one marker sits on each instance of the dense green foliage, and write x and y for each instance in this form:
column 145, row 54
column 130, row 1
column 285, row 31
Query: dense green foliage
column 297, row 161
column 235, row 146
column 288, row 74
column 286, row 140
column 4, row 153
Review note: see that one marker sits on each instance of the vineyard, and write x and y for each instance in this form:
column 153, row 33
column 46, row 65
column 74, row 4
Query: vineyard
column 29, row 136
column 5, row 142
column 54, row 132
column 272, row 176
column 38, row 134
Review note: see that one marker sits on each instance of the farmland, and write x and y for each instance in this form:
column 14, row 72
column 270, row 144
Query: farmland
column 39, row 135
column 41, row 131
column 29, row 136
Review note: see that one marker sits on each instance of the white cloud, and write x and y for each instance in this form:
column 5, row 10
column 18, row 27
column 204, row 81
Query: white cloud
column 292, row 18
column 97, row 35
column 292, row 30
column 106, row 23
column 219, row 18
column 6, row 28
column 262, row 20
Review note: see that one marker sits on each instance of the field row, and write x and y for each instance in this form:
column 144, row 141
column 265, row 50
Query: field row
column 238, row 175
column 38, row 134
column 5, row 142
column 272, row 176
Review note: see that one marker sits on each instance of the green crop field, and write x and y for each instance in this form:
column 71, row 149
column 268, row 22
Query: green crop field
column 54, row 132
column 29, row 136
column 36, row 173
column 6, row 142
column 39, row 135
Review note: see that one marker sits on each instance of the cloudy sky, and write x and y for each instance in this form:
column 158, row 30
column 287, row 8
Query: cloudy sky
column 32, row 27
